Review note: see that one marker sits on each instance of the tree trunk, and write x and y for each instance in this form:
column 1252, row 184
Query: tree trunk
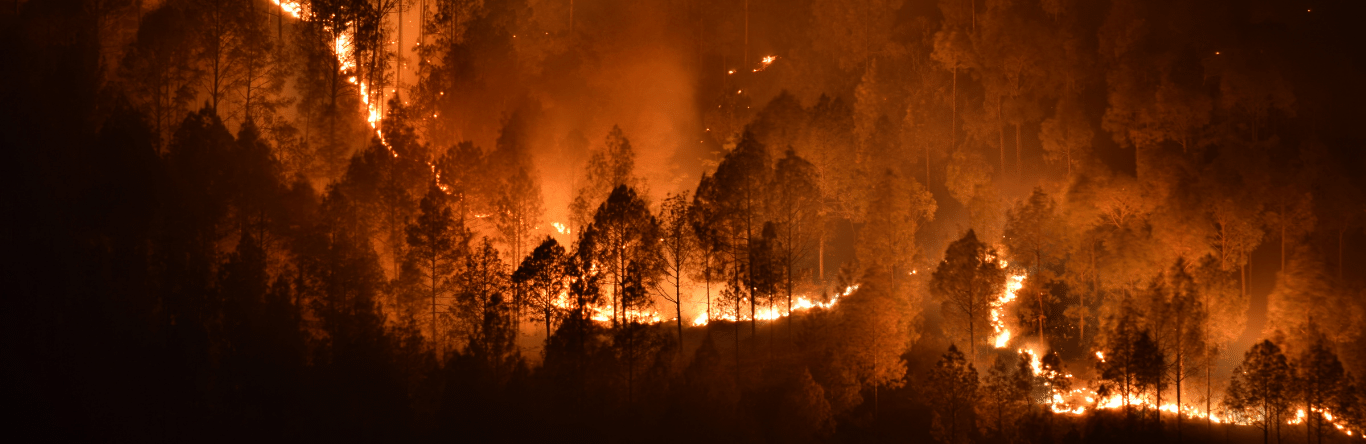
column 1180, row 374
column 737, row 340
column 790, row 266
column 1266, row 413
column 436, row 344
column 1157, row 388
column 953, row 126
column 678, row 307
column 1209, row 420
column 821, row 261
column 706, row 276
column 1041, row 318
column 1001, row 131
column 1283, row 223
column 972, row 339
column 1019, row 162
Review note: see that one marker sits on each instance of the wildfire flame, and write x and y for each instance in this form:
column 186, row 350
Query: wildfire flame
column 801, row 303
column 998, row 308
column 294, row 9
column 1075, row 401
column 560, row 227
column 346, row 64
column 767, row 60
column 1301, row 417
column 1078, row 401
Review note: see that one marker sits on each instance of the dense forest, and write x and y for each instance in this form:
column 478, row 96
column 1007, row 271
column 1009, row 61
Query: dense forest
column 683, row 220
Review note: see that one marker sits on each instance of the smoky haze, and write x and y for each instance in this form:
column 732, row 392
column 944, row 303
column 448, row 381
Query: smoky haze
column 691, row 221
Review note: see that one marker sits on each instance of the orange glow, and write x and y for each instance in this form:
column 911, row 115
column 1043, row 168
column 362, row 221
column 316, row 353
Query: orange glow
column 293, row 8
column 763, row 64
column 998, row 324
column 799, row 304
column 346, row 64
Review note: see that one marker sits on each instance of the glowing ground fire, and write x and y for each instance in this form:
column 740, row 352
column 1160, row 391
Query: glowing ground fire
column 1077, row 401
column 764, row 64
column 799, row 304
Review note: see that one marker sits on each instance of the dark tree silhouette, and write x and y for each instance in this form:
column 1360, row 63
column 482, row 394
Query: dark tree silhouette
column 544, row 274
column 967, row 278
column 625, row 234
column 1261, row 388
column 955, row 390
column 435, row 244
column 678, row 251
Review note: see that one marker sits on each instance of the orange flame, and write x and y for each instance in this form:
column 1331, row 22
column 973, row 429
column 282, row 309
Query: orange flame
column 997, row 312
column 767, row 60
column 799, row 304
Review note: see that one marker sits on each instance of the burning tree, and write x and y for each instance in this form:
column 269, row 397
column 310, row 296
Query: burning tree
column 677, row 252
column 1181, row 325
column 704, row 218
column 1261, row 389
column 965, row 281
column 1130, row 364
column 796, row 211
column 738, row 192
column 633, row 338
column 1033, row 237
column 900, row 206
column 544, row 274
column 625, row 235
column 765, row 271
column 1327, row 391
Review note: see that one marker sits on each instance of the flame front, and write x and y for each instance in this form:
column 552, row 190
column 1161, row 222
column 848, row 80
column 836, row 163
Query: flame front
column 342, row 47
column 764, row 63
column 294, row 9
column 998, row 308
column 799, row 304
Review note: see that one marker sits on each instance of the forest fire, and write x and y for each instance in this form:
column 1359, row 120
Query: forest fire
column 1060, row 398
column 406, row 221
column 765, row 62
column 799, row 304
column 294, row 9
column 998, row 310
